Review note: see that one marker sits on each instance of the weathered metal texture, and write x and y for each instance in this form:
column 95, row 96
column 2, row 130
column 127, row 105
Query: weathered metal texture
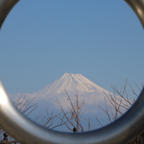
column 5, row 7
column 28, row 132
column 138, row 7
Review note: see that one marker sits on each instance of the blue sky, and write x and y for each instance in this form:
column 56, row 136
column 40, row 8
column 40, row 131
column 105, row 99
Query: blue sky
column 40, row 40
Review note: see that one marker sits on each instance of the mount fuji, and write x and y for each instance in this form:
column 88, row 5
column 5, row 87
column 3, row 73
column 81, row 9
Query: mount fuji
column 69, row 85
column 90, row 95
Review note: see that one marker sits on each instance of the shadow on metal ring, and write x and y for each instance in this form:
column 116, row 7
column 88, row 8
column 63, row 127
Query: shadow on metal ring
column 28, row 132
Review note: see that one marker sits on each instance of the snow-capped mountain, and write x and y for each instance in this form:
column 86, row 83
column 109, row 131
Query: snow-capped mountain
column 69, row 87
column 72, row 85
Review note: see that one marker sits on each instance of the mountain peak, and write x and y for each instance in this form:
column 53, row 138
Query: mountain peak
column 67, row 75
column 71, row 85
column 74, row 83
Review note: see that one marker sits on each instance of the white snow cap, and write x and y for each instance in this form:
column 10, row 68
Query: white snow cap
column 75, row 82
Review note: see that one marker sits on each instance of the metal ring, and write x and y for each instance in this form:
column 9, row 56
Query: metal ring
column 5, row 7
column 28, row 132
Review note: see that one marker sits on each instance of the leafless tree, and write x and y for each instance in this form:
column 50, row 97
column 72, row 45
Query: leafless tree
column 115, row 105
column 54, row 121
column 25, row 105
column 71, row 119
column 120, row 101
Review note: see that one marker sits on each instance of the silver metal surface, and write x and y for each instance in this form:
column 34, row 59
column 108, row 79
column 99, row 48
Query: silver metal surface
column 28, row 132
column 5, row 7
column 138, row 7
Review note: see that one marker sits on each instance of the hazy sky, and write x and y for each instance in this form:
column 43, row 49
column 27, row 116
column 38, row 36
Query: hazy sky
column 40, row 40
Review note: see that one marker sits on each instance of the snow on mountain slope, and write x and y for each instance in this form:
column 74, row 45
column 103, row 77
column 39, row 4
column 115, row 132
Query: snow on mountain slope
column 71, row 85
column 74, row 82
column 60, row 92
column 90, row 98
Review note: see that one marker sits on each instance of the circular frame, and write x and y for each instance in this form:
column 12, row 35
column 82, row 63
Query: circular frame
column 28, row 132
